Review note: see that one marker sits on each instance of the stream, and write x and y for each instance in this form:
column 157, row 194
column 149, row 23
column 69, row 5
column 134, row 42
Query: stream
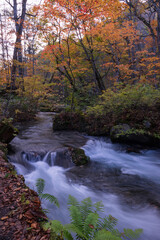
column 128, row 184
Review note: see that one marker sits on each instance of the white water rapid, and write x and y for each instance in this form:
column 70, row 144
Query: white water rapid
column 128, row 184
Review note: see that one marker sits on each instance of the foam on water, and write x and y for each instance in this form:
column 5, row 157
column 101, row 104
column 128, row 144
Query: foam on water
column 57, row 184
column 146, row 164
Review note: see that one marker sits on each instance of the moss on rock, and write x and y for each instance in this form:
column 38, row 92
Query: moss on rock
column 78, row 156
column 7, row 131
column 124, row 134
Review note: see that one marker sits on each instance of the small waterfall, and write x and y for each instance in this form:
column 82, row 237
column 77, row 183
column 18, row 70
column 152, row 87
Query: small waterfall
column 45, row 159
column 53, row 157
column 31, row 156
column 50, row 158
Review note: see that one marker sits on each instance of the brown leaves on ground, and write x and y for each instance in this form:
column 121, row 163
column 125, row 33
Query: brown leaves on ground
column 20, row 208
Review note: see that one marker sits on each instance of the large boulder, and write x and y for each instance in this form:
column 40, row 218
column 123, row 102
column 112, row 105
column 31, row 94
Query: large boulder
column 118, row 131
column 124, row 134
column 78, row 156
column 7, row 131
column 71, row 156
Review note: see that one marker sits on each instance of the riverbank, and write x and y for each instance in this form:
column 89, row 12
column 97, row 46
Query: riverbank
column 21, row 214
column 127, row 115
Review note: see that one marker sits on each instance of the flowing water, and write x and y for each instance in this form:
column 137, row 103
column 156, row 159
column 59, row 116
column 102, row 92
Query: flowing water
column 127, row 183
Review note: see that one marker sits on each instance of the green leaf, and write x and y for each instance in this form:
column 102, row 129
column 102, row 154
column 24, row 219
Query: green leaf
column 105, row 235
column 72, row 201
column 86, row 208
column 99, row 206
column 72, row 228
column 50, row 198
column 133, row 234
column 40, row 183
column 76, row 217
column 90, row 223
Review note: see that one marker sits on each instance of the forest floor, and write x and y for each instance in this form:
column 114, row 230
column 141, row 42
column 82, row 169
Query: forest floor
column 20, row 208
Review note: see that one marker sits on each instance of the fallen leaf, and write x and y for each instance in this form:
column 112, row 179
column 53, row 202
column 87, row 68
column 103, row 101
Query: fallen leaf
column 4, row 218
column 34, row 225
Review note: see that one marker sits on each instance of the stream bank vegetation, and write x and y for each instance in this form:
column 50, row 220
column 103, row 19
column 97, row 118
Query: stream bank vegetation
column 86, row 222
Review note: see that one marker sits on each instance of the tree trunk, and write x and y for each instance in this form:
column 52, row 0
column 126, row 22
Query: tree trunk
column 17, row 54
column 158, row 28
column 2, row 42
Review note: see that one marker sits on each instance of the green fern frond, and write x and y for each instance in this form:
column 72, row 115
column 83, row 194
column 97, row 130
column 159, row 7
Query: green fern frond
column 40, row 184
column 85, row 208
column 46, row 226
column 50, row 198
column 67, row 235
column 99, row 206
column 56, row 226
column 72, row 228
column 132, row 234
column 76, row 217
column 57, row 229
column 105, row 235
column 90, row 224
column 72, row 201
column 108, row 223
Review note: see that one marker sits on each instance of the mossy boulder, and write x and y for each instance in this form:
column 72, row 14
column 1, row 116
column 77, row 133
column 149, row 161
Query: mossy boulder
column 123, row 133
column 78, row 156
column 119, row 130
column 70, row 156
column 7, row 131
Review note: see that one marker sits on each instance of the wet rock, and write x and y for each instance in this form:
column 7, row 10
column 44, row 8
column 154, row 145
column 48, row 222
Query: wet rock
column 78, row 156
column 118, row 130
column 63, row 158
column 7, row 131
column 133, row 150
column 132, row 189
column 69, row 157
column 147, row 124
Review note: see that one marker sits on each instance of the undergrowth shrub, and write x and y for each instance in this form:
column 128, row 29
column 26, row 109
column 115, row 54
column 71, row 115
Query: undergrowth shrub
column 21, row 108
column 131, row 97
column 86, row 224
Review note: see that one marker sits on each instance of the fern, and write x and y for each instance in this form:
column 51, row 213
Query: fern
column 99, row 207
column 132, row 234
column 90, row 223
column 58, row 231
column 85, row 208
column 40, row 184
column 85, row 221
column 76, row 217
column 50, row 198
column 105, row 235
column 72, row 201
column 108, row 223
column 72, row 228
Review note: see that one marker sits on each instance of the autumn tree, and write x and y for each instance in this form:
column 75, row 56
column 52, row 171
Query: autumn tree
column 77, row 19
column 148, row 12
column 17, row 53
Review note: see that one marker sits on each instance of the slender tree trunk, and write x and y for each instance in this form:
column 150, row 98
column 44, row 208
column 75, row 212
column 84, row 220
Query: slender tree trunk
column 2, row 42
column 158, row 28
column 17, row 54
